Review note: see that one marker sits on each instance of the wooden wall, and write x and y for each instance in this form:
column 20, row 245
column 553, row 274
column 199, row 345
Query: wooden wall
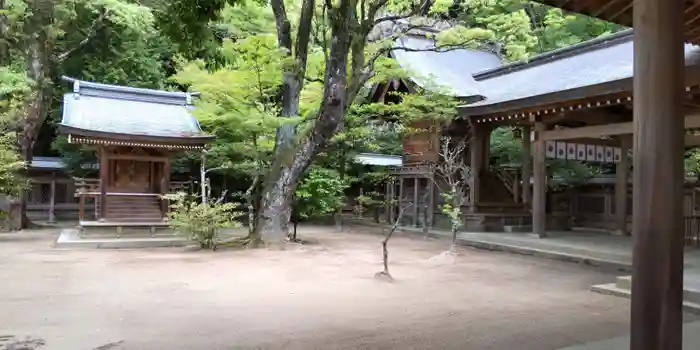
column 422, row 146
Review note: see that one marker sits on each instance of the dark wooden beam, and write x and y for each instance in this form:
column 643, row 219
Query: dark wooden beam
column 104, row 179
column 539, row 183
column 137, row 157
column 657, row 220
column 608, row 5
column 621, row 11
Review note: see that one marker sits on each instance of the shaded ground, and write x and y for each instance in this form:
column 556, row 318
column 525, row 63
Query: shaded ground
column 319, row 296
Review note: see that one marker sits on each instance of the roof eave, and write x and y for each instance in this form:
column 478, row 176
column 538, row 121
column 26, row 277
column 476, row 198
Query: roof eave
column 189, row 140
column 692, row 77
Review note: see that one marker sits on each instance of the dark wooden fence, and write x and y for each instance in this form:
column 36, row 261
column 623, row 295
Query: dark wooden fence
column 692, row 230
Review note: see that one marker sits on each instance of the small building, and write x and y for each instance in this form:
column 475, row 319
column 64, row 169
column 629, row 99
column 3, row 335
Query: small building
column 135, row 133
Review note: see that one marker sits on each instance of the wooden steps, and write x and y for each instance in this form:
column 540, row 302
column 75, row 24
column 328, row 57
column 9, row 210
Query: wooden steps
column 133, row 209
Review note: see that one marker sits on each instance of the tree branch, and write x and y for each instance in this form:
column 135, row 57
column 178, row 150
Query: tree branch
column 91, row 32
column 284, row 28
column 303, row 34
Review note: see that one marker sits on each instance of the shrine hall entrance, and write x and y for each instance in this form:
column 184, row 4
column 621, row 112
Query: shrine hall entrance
column 132, row 182
column 135, row 176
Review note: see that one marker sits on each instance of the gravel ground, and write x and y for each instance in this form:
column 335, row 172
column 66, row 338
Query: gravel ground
column 318, row 296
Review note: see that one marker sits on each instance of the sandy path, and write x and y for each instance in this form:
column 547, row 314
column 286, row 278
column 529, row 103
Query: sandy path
column 321, row 296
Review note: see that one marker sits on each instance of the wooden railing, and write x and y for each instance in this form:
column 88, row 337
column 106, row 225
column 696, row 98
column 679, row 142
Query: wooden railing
column 413, row 169
column 86, row 186
column 508, row 177
column 92, row 187
column 692, row 230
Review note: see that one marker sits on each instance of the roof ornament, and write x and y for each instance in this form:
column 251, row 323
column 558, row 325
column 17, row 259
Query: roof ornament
column 76, row 89
column 188, row 98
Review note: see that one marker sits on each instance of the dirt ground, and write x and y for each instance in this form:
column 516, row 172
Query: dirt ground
column 317, row 296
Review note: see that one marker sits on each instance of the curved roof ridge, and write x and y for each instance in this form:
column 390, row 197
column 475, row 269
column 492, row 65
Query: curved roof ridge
column 589, row 45
column 130, row 93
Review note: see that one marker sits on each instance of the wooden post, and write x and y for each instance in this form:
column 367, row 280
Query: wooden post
column 621, row 185
column 516, row 187
column 527, row 164
column 387, row 199
column 476, row 163
column 416, row 187
column 52, row 198
column 401, row 204
column 486, row 145
column 657, row 219
column 539, row 197
column 166, row 185
column 431, row 199
column 104, row 179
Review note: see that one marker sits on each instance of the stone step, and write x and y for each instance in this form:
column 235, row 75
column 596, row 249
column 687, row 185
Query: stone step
column 517, row 228
column 624, row 282
column 623, row 287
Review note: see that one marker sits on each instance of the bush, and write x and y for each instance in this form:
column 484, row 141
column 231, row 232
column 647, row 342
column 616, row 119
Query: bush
column 200, row 222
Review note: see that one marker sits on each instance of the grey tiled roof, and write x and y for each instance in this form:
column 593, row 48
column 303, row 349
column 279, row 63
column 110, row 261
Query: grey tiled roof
column 54, row 163
column 129, row 111
column 378, row 159
column 450, row 70
column 596, row 62
column 39, row 162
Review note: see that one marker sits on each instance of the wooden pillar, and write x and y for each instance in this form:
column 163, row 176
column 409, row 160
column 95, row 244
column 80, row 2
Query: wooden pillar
column 539, row 198
column 52, row 198
column 431, row 200
column 527, row 164
column 104, row 179
column 401, row 203
column 81, row 208
column 516, row 187
column 167, row 168
column 476, row 162
column 486, row 145
column 416, row 187
column 657, row 219
column 621, row 186
column 387, row 199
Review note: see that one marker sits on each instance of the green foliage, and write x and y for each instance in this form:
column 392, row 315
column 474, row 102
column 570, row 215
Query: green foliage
column 320, row 193
column 198, row 221
column 506, row 151
column 692, row 162
column 14, row 89
column 569, row 173
column 237, row 104
column 452, row 208
column 11, row 167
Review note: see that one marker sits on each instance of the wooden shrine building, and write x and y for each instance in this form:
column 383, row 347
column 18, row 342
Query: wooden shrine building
column 135, row 132
column 632, row 92
column 635, row 90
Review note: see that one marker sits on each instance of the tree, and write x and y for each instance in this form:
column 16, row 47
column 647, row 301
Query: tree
column 41, row 38
column 384, row 274
column 321, row 192
column 200, row 221
column 237, row 105
column 343, row 31
column 453, row 177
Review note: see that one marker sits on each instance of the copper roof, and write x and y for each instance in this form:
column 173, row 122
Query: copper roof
column 126, row 113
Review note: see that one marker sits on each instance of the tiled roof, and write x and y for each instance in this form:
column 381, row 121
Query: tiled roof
column 129, row 111
column 450, row 70
column 593, row 63
column 378, row 159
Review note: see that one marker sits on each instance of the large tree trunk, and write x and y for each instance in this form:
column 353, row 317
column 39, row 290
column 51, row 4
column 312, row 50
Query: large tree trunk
column 38, row 63
column 292, row 160
column 4, row 36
